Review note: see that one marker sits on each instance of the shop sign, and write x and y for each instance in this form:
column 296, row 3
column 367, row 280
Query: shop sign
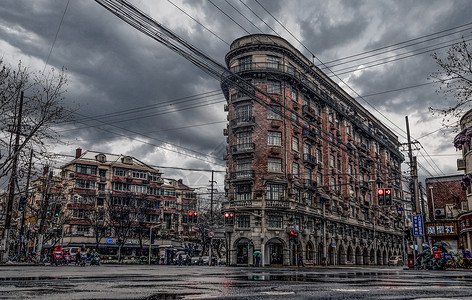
column 441, row 229
column 418, row 226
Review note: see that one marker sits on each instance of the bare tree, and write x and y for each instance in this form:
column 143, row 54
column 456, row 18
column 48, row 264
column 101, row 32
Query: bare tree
column 43, row 109
column 96, row 219
column 455, row 78
column 121, row 220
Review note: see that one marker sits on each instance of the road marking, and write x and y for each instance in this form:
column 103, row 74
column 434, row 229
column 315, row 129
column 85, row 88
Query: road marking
column 349, row 290
column 278, row 293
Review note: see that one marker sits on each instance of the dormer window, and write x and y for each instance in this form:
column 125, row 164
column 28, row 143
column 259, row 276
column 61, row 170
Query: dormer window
column 101, row 158
column 127, row 160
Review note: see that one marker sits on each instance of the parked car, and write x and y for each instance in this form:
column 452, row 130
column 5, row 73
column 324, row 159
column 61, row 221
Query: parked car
column 395, row 261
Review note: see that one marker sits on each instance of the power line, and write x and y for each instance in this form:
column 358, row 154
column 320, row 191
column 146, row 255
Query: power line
column 55, row 37
column 405, row 42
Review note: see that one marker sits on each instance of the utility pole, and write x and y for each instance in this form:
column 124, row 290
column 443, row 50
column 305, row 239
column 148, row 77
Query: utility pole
column 13, row 177
column 414, row 176
column 44, row 209
column 211, row 196
column 22, row 228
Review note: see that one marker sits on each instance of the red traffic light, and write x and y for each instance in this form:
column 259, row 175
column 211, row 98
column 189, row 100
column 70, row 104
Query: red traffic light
column 380, row 191
column 388, row 191
column 190, row 213
column 226, row 215
column 195, row 213
column 231, row 215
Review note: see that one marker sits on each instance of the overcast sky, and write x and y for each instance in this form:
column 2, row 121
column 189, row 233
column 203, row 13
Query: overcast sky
column 154, row 97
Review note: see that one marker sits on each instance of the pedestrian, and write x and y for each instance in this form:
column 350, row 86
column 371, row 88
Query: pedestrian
column 77, row 257
column 258, row 260
column 300, row 259
column 179, row 260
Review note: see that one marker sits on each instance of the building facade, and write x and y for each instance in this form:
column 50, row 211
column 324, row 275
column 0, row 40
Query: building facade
column 109, row 198
column 304, row 164
column 445, row 201
column 463, row 142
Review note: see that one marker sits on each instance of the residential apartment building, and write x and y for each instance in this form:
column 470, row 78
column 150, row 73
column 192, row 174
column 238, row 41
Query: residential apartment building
column 109, row 197
column 304, row 163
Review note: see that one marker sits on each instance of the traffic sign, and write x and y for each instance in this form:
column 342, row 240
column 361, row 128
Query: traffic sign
column 418, row 226
column 211, row 234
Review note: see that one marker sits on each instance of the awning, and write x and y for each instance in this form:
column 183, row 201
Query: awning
column 324, row 196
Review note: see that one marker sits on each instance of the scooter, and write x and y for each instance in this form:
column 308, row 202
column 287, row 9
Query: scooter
column 95, row 260
column 83, row 258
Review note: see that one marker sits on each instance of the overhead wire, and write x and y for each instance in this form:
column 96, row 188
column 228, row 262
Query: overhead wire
column 326, row 66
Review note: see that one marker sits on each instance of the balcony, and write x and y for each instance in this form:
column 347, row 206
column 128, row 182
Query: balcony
column 241, row 96
column 243, row 175
column 246, row 148
column 309, row 184
column 309, row 159
column 243, row 122
column 309, row 112
column 309, row 135
column 275, row 67
column 277, row 203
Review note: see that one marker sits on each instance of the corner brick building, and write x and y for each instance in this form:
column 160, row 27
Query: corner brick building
column 304, row 164
column 463, row 142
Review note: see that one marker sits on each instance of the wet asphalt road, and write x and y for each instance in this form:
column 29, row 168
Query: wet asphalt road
column 203, row 282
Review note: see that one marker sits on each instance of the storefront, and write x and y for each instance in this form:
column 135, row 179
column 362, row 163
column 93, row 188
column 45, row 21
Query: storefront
column 445, row 232
column 465, row 226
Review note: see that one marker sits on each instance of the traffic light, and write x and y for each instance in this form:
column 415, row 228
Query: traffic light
column 57, row 210
column 229, row 218
column 381, row 196
column 388, row 196
column 192, row 217
column 22, row 204
column 294, row 236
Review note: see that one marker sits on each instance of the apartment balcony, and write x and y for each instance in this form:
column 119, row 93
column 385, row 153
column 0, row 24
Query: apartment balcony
column 241, row 149
column 241, row 96
column 310, row 184
column 240, row 122
column 243, row 175
column 274, row 67
column 309, row 135
column 309, row 159
column 84, row 191
column 309, row 112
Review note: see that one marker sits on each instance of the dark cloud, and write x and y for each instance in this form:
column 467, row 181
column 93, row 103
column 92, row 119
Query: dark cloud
column 114, row 68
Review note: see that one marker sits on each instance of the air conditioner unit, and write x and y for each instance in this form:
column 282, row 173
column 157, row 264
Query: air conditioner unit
column 440, row 213
column 460, row 164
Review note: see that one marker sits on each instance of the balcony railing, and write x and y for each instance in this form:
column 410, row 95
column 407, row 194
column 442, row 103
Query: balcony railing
column 243, row 121
column 245, row 174
column 309, row 134
column 308, row 158
column 309, row 111
column 243, row 148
